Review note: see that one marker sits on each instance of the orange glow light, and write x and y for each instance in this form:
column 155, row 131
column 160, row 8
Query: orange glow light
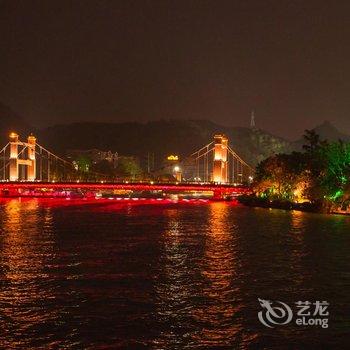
column 13, row 135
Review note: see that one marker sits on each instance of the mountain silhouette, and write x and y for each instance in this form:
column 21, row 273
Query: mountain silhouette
column 160, row 138
column 11, row 121
column 327, row 131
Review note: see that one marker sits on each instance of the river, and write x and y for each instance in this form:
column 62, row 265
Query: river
column 107, row 275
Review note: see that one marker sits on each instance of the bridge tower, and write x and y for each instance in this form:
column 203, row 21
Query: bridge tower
column 16, row 158
column 13, row 156
column 220, row 171
column 31, row 168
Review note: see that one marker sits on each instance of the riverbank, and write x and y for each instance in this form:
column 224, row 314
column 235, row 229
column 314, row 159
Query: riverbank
column 254, row 201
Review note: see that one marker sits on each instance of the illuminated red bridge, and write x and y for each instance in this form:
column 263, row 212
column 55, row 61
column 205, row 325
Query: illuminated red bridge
column 71, row 189
column 27, row 169
column 28, row 161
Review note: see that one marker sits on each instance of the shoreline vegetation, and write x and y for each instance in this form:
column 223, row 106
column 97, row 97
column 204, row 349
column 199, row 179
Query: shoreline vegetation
column 253, row 200
column 316, row 179
column 256, row 202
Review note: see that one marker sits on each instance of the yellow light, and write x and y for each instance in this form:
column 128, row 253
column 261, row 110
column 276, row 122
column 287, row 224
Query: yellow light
column 31, row 139
column 13, row 135
column 173, row 157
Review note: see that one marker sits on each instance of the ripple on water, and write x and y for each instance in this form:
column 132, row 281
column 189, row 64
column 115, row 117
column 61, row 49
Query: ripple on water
column 166, row 276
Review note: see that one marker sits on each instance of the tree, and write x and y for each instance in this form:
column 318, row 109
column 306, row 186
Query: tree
column 320, row 174
column 313, row 141
column 279, row 176
column 335, row 178
column 128, row 167
column 104, row 167
column 83, row 163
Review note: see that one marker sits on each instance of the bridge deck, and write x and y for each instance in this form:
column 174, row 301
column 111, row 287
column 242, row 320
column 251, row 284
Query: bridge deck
column 216, row 189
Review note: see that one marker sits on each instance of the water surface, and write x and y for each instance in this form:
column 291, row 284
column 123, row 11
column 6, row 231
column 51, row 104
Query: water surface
column 104, row 275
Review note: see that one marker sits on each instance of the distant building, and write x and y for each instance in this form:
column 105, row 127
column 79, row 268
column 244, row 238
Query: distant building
column 94, row 155
column 171, row 166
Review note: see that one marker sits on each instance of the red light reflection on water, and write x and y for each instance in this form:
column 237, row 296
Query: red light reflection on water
column 57, row 202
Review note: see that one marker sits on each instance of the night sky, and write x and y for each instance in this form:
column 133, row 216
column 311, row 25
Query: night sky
column 64, row 61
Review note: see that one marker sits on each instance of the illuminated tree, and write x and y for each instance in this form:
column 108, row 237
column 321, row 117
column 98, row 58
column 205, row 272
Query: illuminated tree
column 320, row 174
column 83, row 163
column 280, row 176
column 335, row 179
column 128, row 167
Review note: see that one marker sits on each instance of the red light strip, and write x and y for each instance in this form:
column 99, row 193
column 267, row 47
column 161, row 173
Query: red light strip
column 222, row 189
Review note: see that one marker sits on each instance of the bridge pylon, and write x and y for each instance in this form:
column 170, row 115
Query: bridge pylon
column 220, row 165
column 17, row 158
column 14, row 142
column 218, row 162
column 29, row 161
column 31, row 167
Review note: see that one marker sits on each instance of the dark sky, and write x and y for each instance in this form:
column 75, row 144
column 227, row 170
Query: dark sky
column 64, row 61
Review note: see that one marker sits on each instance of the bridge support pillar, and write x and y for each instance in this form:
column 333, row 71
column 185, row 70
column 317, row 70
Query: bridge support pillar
column 220, row 172
column 218, row 195
column 13, row 161
column 31, row 169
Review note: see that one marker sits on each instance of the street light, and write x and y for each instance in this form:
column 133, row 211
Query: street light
column 177, row 173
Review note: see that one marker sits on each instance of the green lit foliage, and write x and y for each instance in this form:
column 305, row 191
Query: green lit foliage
column 83, row 163
column 128, row 168
column 335, row 177
column 314, row 149
column 321, row 173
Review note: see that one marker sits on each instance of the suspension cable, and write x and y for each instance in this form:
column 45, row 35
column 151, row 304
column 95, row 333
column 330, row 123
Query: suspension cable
column 4, row 149
column 54, row 155
column 204, row 154
column 194, row 153
column 234, row 154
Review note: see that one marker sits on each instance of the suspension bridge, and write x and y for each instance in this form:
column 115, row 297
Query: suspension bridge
column 28, row 169
column 217, row 162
